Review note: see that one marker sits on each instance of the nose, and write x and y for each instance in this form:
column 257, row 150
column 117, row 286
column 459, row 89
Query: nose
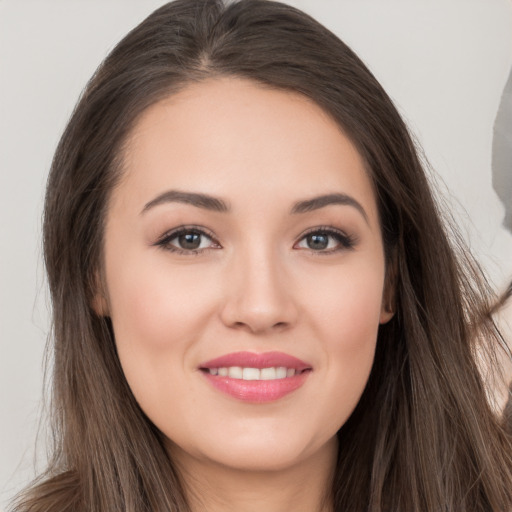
column 259, row 294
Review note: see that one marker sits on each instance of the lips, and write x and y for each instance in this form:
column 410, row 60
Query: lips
column 257, row 378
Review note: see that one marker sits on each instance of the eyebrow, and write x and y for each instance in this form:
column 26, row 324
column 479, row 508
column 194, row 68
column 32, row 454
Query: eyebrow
column 216, row 204
column 326, row 200
column 204, row 201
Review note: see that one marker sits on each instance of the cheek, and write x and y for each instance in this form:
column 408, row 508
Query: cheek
column 346, row 304
column 153, row 308
column 157, row 315
column 345, row 316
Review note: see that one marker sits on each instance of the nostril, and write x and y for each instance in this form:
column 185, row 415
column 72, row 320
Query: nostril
column 256, row 326
column 258, row 314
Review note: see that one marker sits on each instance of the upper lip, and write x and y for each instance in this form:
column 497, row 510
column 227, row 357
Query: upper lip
column 257, row 360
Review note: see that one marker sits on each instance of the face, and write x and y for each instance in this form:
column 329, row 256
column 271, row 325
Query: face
column 244, row 274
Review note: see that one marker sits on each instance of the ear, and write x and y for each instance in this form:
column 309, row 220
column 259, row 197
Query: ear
column 99, row 302
column 386, row 314
column 100, row 305
column 388, row 307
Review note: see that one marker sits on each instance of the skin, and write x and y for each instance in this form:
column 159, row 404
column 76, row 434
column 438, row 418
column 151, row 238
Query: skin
column 255, row 283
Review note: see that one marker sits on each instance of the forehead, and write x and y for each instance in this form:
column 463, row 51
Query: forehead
column 234, row 136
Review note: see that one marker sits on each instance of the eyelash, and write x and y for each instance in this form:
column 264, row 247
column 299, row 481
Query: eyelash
column 165, row 241
column 346, row 242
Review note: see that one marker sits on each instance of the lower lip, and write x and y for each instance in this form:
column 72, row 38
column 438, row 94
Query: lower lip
column 257, row 391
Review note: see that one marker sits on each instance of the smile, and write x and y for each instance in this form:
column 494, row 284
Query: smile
column 237, row 372
column 256, row 378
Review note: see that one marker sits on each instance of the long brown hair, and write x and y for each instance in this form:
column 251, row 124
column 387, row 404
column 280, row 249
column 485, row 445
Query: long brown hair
column 423, row 436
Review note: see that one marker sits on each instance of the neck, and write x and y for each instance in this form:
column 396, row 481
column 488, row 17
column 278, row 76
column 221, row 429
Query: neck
column 305, row 487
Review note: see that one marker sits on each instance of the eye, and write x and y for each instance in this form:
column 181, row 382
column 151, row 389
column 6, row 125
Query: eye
column 325, row 240
column 187, row 241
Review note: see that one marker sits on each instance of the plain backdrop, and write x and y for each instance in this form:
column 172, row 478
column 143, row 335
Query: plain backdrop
column 444, row 63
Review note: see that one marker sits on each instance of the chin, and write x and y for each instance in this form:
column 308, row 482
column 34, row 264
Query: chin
column 260, row 452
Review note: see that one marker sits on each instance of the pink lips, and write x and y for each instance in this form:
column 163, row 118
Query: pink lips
column 257, row 391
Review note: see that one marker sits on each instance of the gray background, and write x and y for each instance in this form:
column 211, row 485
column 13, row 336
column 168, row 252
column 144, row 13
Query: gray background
column 444, row 62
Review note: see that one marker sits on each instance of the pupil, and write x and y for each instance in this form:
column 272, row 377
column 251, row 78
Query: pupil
column 190, row 240
column 318, row 241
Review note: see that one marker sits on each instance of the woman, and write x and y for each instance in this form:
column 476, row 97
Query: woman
column 256, row 305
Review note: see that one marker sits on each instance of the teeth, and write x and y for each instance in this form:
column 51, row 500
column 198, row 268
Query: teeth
column 251, row 374
column 281, row 373
column 237, row 372
column 268, row 373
